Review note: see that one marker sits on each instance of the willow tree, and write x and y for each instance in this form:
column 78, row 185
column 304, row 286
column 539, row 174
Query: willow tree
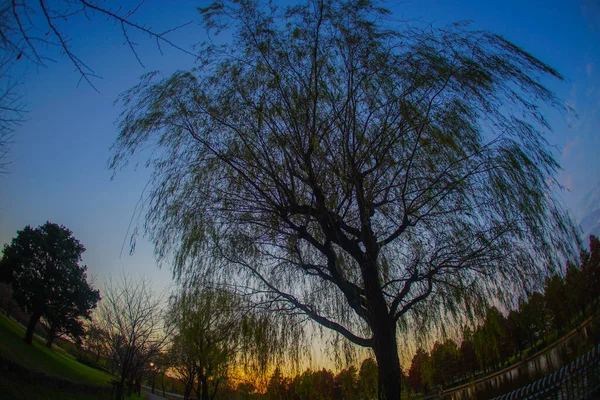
column 216, row 332
column 365, row 176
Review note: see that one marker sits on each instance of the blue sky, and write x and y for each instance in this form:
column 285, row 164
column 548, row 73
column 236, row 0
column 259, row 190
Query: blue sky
column 59, row 172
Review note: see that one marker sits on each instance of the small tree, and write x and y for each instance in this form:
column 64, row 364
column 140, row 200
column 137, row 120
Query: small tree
column 278, row 387
column 416, row 378
column 43, row 268
column 362, row 174
column 95, row 340
column 215, row 330
column 346, row 384
column 367, row 379
column 130, row 315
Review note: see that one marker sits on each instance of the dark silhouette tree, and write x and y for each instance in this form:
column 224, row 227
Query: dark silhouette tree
column 590, row 267
column 30, row 30
column 534, row 318
column 468, row 358
column 367, row 379
column 43, row 268
column 346, row 384
column 130, row 315
column 95, row 341
column 278, row 387
column 351, row 171
column 416, row 378
column 555, row 297
column 445, row 362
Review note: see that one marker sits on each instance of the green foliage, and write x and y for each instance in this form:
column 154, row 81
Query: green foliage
column 540, row 319
column 43, row 268
column 207, row 338
column 367, row 379
column 217, row 331
column 362, row 175
column 445, row 362
column 346, row 384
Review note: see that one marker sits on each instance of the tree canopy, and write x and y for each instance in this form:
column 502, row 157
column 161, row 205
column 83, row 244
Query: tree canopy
column 131, row 320
column 42, row 265
column 366, row 175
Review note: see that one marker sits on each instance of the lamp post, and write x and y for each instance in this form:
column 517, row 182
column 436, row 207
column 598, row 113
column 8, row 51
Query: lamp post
column 153, row 375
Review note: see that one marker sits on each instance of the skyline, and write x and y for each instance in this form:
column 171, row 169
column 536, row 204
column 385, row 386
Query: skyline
column 58, row 169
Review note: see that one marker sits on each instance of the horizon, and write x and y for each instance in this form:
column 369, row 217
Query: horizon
column 58, row 167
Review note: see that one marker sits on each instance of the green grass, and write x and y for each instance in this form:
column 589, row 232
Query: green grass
column 37, row 357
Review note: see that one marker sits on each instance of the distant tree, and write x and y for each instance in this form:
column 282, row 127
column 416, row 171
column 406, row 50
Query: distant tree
column 534, row 318
column 246, row 390
column 278, row 387
column 367, row 379
column 162, row 364
column 317, row 385
column 445, row 362
column 322, row 385
column 468, row 358
column 183, row 363
column 576, row 287
column 492, row 339
column 590, row 267
column 556, row 301
column 131, row 317
column 95, row 340
column 397, row 173
column 43, row 268
column 346, row 384
column 415, row 378
column 517, row 331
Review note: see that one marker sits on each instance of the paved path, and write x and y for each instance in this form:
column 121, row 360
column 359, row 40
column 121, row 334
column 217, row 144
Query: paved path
column 158, row 392
column 151, row 396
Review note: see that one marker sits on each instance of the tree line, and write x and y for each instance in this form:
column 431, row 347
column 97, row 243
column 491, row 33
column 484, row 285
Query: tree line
column 502, row 338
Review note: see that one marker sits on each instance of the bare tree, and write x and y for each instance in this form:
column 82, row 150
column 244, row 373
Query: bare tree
column 130, row 317
column 11, row 110
column 365, row 176
column 32, row 29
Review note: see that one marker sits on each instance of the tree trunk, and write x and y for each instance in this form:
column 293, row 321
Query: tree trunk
column 49, row 341
column 386, row 354
column 214, row 395
column 204, row 388
column 33, row 320
column 120, row 388
column 383, row 326
column 49, row 337
column 199, row 387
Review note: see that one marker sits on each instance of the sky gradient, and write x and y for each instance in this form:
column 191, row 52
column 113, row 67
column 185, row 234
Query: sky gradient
column 59, row 158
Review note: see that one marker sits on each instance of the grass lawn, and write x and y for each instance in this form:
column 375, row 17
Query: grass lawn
column 38, row 357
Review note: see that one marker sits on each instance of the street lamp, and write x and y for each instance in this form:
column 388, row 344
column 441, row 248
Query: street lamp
column 153, row 375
